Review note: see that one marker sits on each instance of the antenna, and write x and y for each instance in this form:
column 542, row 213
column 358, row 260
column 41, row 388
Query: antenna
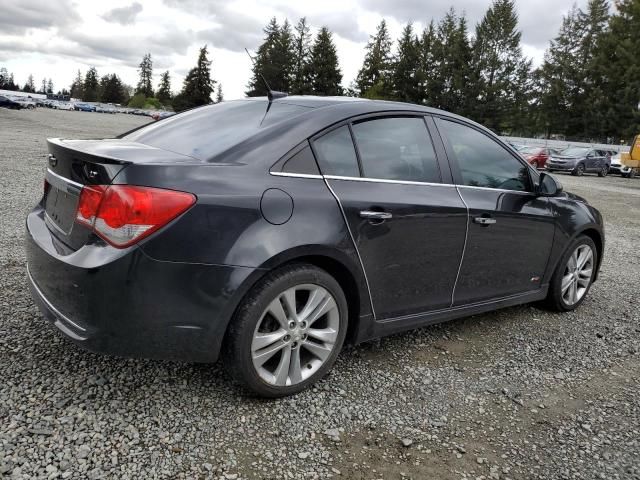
column 271, row 94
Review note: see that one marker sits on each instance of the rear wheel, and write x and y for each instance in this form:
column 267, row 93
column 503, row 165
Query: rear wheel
column 573, row 276
column 288, row 331
column 603, row 171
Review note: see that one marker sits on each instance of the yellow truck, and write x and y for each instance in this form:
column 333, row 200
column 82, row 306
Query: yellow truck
column 631, row 160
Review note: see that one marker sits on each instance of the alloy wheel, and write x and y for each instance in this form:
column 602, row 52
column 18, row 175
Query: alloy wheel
column 295, row 335
column 577, row 275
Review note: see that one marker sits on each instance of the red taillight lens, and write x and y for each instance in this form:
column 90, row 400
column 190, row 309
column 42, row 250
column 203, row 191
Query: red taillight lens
column 125, row 214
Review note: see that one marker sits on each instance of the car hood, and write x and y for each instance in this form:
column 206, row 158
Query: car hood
column 577, row 198
column 565, row 157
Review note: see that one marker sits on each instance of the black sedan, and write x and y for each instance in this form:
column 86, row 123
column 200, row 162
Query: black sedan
column 271, row 232
column 7, row 102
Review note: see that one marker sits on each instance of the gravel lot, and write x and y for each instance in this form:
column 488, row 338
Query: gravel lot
column 518, row 393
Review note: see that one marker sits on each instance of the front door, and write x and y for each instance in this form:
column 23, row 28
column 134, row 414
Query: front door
column 510, row 228
column 408, row 227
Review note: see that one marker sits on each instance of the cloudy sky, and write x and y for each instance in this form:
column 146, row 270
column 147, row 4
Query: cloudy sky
column 55, row 38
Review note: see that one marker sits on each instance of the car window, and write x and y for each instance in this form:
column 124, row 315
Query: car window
column 396, row 149
column 302, row 162
column 336, row 153
column 482, row 161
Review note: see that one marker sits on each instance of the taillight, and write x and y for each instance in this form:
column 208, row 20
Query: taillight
column 125, row 214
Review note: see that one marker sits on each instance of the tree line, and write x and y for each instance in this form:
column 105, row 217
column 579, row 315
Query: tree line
column 587, row 87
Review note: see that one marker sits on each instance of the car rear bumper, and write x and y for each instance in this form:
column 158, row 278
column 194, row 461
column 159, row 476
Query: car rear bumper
column 123, row 302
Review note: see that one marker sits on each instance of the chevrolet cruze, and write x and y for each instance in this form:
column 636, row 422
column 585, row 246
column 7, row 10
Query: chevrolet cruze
column 271, row 231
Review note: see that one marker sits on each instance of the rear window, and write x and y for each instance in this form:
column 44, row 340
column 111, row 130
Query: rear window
column 205, row 132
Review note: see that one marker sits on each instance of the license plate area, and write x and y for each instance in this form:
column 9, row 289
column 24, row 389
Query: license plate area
column 61, row 202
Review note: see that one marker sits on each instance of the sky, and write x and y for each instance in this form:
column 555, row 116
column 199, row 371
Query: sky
column 55, row 38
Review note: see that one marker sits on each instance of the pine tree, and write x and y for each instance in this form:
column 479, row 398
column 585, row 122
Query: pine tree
column 265, row 63
column 405, row 77
column 90, row 92
column 219, row 94
column 449, row 81
column 30, row 86
column 163, row 93
column 146, row 76
column 112, row 89
column 50, row 86
column 426, row 64
column 373, row 80
column 77, row 87
column 617, row 73
column 300, row 81
column 325, row 73
column 501, row 73
column 43, row 88
column 198, row 84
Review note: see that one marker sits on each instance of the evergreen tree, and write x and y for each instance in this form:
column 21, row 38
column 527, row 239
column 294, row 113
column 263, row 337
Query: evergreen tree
column 373, row 80
column 112, row 89
column 617, row 73
column 146, row 76
column 501, row 74
column 30, row 86
column 91, row 86
column 449, row 81
column 77, row 87
column 12, row 84
column 219, row 95
column 405, row 77
column 426, row 63
column 164, row 89
column 325, row 75
column 43, row 88
column 50, row 86
column 274, row 60
column 198, row 84
column 300, row 81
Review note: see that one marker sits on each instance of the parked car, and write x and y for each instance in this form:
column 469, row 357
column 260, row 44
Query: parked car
column 161, row 115
column 60, row 105
column 105, row 108
column 537, row 156
column 272, row 232
column 25, row 102
column 84, row 107
column 580, row 160
column 617, row 167
column 9, row 102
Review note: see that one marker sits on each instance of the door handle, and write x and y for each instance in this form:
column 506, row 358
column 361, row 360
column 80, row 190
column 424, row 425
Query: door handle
column 372, row 215
column 484, row 220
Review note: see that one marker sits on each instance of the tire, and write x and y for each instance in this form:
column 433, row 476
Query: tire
column 561, row 299
column 632, row 173
column 260, row 369
column 603, row 171
column 579, row 170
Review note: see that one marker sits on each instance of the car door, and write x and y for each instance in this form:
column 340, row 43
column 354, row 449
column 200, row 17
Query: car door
column 593, row 160
column 408, row 226
column 511, row 229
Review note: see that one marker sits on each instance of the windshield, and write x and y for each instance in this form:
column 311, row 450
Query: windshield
column 575, row 151
column 203, row 133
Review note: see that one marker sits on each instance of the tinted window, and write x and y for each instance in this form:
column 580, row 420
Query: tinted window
column 396, row 149
column 336, row 154
column 204, row 132
column 302, row 162
column 483, row 162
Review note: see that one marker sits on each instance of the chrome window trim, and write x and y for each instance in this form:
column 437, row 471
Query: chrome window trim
column 464, row 249
column 495, row 189
column 384, row 180
column 295, row 175
column 355, row 246
column 50, row 305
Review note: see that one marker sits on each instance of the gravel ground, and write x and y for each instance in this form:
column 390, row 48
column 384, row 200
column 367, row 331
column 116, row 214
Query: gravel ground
column 518, row 393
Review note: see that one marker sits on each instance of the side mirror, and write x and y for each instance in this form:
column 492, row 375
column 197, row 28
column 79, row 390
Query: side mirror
column 548, row 186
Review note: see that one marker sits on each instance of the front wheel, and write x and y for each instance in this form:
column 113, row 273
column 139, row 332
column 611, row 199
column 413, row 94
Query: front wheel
column 288, row 331
column 579, row 170
column 573, row 276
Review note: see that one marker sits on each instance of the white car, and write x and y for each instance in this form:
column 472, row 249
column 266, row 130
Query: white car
column 617, row 167
column 63, row 105
column 25, row 102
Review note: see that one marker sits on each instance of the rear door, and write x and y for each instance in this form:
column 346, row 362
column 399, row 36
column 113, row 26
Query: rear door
column 510, row 228
column 408, row 226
